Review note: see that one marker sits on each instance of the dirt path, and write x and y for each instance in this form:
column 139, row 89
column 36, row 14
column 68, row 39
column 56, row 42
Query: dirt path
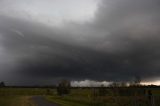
column 40, row 101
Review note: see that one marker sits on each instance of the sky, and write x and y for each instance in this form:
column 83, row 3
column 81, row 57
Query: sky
column 89, row 42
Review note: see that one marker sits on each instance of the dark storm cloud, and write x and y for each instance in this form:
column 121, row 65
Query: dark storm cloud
column 120, row 43
column 134, row 35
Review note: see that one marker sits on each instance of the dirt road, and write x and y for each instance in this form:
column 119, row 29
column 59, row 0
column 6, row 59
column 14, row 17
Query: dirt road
column 40, row 101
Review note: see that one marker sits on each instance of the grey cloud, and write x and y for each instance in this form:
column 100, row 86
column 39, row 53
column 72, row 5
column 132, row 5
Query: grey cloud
column 120, row 43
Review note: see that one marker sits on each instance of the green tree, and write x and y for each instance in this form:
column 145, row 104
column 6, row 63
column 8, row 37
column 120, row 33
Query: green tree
column 63, row 87
column 2, row 84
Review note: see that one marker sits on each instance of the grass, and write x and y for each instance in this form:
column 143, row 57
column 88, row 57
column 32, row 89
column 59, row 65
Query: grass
column 99, row 101
column 77, row 97
column 25, row 91
column 66, row 101
column 84, row 97
column 21, row 96
column 16, row 101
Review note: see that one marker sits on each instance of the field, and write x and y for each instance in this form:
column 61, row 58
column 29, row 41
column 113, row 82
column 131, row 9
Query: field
column 16, row 101
column 81, row 97
column 90, row 97
column 19, row 96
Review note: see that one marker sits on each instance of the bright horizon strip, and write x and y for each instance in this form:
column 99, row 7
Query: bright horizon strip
column 151, row 83
column 84, row 83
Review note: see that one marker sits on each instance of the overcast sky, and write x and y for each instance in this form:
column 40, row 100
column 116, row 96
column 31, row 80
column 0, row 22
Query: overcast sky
column 43, row 41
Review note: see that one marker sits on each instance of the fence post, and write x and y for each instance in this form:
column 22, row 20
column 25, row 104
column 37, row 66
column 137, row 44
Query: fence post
column 153, row 101
column 151, row 98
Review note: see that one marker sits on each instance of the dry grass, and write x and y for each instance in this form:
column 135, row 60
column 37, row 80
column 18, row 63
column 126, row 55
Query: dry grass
column 22, row 101
column 16, row 101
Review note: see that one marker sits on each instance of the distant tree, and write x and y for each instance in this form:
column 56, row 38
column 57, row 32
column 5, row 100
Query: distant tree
column 123, row 84
column 63, row 87
column 118, row 84
column 2, row 84
column 135, row 82
column 114, row 84
column 48, row 91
